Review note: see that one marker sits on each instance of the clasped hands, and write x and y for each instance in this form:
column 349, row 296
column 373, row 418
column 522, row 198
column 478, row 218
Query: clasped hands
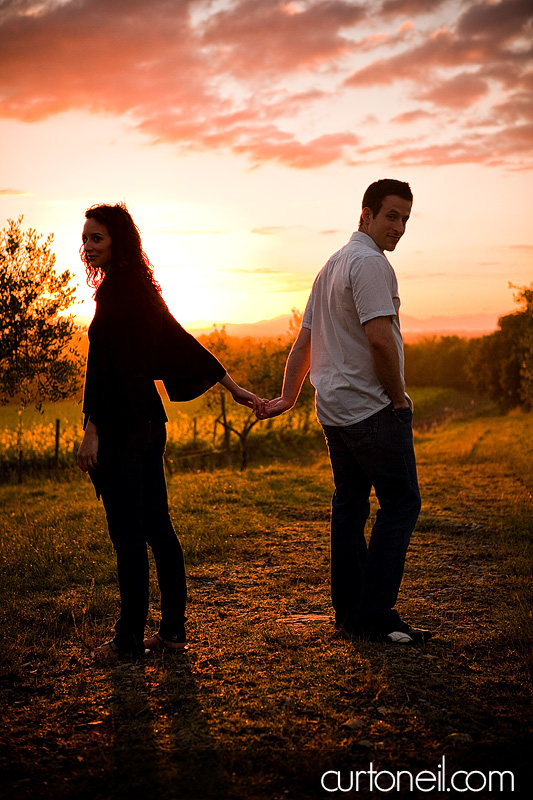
column 273, row 408
column 263, row 409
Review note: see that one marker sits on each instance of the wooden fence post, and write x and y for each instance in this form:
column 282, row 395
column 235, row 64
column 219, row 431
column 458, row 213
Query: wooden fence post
column 56, row 451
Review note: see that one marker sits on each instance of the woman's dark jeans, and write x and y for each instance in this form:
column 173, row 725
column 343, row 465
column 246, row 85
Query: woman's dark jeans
column 131, row 480
column 377, row 452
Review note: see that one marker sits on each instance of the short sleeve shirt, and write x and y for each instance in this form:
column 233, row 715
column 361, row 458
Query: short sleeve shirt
column 356, row 285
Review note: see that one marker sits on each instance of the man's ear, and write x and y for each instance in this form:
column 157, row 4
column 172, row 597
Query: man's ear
column 367, row 215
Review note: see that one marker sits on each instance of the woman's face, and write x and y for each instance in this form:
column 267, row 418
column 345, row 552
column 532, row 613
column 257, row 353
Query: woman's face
column 96, row 244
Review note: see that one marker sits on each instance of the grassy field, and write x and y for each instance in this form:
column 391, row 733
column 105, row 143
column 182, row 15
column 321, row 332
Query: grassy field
column 28, row 444
column 268, row 699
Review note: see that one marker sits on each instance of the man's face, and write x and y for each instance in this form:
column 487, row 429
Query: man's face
column 387, row 227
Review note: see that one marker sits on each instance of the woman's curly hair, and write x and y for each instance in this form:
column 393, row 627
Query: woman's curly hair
column 126, row 246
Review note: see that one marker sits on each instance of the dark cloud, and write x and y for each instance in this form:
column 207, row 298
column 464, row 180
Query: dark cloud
column 491, row 45
column 254, row 36
column 497, row 23
column 478, row 40
column 441, row 50
column 154, row 62
column 394, row 8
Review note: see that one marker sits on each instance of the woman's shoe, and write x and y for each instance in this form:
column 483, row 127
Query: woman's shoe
column 109, row 651
column 156, row 642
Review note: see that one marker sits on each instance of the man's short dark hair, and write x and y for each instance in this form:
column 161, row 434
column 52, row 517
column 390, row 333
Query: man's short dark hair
column 376, row 193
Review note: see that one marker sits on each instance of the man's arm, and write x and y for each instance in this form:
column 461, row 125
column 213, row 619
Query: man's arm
column 296, row 369
column 384, row 351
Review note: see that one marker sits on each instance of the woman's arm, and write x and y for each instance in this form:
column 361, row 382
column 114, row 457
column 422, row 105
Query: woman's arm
column 87, row 457
column 242, row 396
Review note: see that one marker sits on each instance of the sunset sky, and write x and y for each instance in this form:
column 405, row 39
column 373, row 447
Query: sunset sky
column 242, row 133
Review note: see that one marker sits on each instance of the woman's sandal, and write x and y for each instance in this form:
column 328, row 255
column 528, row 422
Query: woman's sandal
column 156, row 642
column 109, row 651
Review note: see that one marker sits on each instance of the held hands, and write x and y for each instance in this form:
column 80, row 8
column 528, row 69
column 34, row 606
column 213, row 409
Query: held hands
column 263, row 409
column 243, row 396
column 273, row 408
column 246, row 398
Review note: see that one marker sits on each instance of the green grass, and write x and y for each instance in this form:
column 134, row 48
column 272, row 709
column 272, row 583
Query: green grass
column 28, row 441
column 257, row 708
column 427, row 400
column 70, row 412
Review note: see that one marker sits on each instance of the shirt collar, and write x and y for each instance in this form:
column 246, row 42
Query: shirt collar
column 359, row 236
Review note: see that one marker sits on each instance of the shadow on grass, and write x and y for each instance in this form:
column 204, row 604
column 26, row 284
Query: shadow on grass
column 142, row 734
column 427, row 707
column 161, row 744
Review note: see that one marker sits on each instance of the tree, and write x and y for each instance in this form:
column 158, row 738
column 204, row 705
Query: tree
column 38, row 361
column 524, row 296
column 501, row 364
column 257, row 365
column 438, row 362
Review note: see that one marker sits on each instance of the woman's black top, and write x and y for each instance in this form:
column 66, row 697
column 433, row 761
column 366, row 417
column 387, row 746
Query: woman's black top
column 134, row 340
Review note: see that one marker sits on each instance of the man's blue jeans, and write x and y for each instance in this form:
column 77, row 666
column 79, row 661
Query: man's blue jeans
column 130, row 477
column 365, row 579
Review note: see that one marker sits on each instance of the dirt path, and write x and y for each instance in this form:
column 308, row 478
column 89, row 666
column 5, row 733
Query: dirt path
column 268, row 699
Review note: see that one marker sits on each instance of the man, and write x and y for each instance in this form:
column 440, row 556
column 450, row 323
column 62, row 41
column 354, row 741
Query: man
column 350, row 339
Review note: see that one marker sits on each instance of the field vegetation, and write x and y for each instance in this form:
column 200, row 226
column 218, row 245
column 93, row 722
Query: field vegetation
column 34, row 442
column 445, row 375
column 267, row 698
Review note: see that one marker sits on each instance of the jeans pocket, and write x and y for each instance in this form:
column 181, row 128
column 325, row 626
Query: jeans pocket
column 361, row 435
column 404, row 415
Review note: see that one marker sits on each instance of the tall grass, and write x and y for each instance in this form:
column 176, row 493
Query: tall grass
column 29, row 445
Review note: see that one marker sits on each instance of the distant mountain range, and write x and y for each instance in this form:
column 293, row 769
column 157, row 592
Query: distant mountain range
column 466, row 325
column 412, row 327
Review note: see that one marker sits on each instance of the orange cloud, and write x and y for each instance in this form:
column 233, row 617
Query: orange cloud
column 273, row 145
column 166, row 71
column 494, row 150
column 412, row 116
column 264, row 78
column 458, row 92
column 99, row 56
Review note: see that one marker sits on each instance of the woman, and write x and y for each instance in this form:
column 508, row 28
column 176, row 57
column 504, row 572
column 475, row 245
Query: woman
column 133, row 339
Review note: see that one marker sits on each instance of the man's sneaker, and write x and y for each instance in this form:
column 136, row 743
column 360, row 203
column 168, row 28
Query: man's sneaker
column 404, row 634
